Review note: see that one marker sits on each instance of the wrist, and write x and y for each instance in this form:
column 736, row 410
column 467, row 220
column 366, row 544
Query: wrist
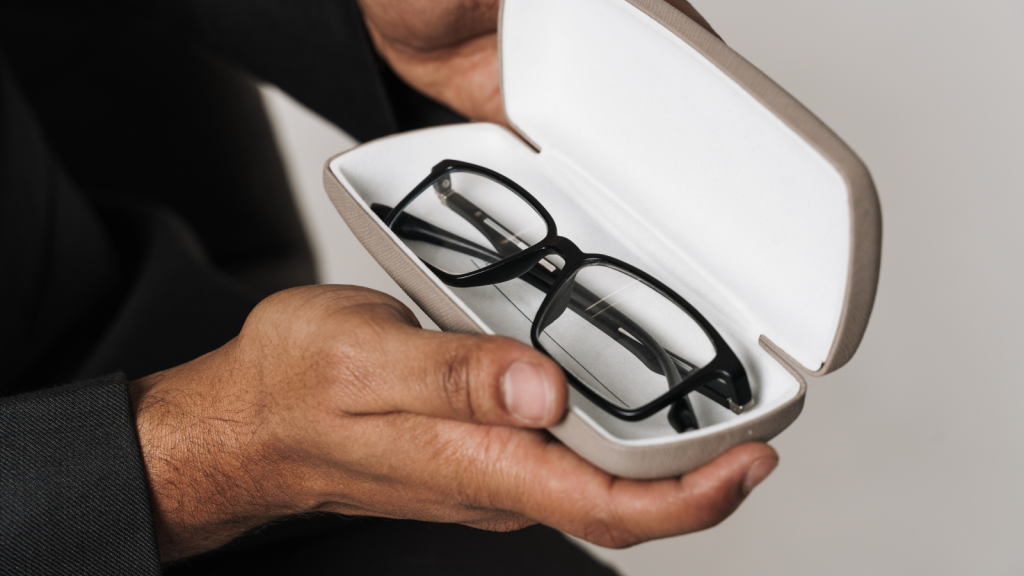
column 200, row 444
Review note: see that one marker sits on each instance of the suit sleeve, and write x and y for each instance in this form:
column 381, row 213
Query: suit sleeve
column 318, row 51
column 73, row 490
column 315, row 50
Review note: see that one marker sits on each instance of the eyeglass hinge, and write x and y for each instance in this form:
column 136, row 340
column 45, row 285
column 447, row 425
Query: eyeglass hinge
column 737, row 409
column 443, row 189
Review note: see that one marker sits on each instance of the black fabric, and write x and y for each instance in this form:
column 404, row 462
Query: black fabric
column 315, row 50
column 129, row 110
column 331, row 545
column 178, row 307
column 92, row 285
column 60, row 275
column 144, row 211
column 299, row 45
column 73, row 499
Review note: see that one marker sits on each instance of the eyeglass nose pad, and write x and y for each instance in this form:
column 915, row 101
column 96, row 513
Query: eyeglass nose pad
column 559, row 303
column 681, row 416
column 443, row 187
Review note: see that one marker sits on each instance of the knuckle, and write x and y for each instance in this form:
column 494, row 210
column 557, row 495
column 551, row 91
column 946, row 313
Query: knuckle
column 474, row 470
column 394, row 308
column 457, row 385
column 608, row 533
column 712, row 515
column 470, row 384
column 607, row 527
column 712, row 504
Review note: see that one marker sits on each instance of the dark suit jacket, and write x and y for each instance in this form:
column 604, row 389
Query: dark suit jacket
column 143, row 212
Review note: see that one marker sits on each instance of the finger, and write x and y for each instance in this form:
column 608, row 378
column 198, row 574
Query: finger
column 429, row 25
column 481, row 379
column 501, row 478
column 463, row 77
column 556, row 487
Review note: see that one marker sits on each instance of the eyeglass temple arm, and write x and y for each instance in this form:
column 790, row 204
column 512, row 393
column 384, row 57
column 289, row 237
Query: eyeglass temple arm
column 412, row 228
column 505, row 241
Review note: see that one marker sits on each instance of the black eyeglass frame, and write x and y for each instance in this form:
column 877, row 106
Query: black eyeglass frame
column 725, row 366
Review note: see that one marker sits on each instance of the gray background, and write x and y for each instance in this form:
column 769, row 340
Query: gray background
column 910, row 460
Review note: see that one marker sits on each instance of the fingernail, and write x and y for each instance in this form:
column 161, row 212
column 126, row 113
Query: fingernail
column 527, row 392
column 757, row 473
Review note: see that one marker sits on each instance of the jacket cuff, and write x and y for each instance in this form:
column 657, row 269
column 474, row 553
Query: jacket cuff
column 73, row 492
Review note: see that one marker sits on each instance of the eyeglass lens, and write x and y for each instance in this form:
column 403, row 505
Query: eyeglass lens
column 623, row 338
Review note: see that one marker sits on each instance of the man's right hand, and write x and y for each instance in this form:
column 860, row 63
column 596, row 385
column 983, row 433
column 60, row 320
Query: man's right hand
column 333, row 399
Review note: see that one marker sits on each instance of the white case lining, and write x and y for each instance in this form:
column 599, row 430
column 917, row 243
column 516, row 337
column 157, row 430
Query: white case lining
column 386, row 170
column 695, row 163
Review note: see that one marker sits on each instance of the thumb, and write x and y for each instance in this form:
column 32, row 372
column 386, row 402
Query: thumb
column 481, row 379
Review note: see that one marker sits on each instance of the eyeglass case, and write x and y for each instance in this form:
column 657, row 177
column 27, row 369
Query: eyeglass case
column 650, row 140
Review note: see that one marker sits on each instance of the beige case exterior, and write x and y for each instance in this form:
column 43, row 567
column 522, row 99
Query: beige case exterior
column 646, row 459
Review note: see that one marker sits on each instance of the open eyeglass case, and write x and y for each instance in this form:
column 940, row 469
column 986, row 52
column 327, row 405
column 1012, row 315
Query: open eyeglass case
column 650, row 140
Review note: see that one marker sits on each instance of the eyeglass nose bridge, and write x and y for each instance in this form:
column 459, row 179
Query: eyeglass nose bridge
column 558, row 300
column 567, row 249
column 570, row 254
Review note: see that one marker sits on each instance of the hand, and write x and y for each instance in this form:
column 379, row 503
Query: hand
column 448, row 49
column 332, row 399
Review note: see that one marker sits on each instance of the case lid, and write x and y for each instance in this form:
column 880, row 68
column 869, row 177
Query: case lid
column 775, row 212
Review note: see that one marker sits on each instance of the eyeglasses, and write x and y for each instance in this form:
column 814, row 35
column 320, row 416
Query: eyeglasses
column 628, row 343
